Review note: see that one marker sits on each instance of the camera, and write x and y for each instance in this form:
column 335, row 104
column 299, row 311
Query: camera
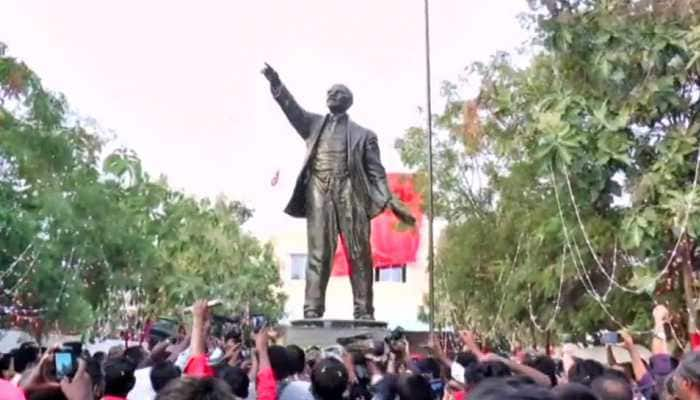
column 258, row 322
column 164, row 328
column 66, row 359
column 395, row 336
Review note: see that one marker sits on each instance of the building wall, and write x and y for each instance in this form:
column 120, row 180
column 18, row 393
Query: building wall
column 395, row 302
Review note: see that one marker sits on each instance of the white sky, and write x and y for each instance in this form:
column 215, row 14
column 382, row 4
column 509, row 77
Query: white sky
column 179, row 81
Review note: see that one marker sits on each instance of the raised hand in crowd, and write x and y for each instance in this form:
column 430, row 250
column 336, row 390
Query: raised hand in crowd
column 80, row 387
column 638, row 366
column 200, row 317
column 39, row 377
column 659, row 344
column 469, row 342
column 233, row 352
column 437, row 352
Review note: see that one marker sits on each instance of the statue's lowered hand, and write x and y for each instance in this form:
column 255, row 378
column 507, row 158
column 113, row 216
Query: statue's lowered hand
column 402, row 212
column 271, row 75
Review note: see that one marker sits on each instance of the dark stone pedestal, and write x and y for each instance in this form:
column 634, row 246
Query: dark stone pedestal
column 325, row 332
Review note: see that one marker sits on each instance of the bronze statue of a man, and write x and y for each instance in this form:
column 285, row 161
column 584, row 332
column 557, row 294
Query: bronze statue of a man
column 341, row 187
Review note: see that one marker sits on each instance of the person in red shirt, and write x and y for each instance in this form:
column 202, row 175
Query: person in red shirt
column 10, row 391
column 198, row 364
column 199, row 376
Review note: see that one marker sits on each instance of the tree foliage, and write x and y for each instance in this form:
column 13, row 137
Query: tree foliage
column 82, row 231
column 571, row 191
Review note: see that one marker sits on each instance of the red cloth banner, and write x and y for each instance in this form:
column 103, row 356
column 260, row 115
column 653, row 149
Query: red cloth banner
column 393, row 243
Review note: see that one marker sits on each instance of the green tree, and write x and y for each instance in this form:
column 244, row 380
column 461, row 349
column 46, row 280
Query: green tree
column 80, row 235
column 579, row 170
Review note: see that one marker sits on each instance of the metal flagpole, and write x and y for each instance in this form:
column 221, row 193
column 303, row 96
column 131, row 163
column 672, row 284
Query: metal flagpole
column 431, row 266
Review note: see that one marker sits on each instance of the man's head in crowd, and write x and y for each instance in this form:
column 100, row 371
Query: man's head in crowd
column 574, row 391
column 329, row 379
column 135, row 355
column 686, row 378
column 163, row 373
column 279, row 361
column 115, row 352
column 430, row 369
column 119, row 377
column 100, row 357
column 466, row 358
column 545, row 365
column 47, row 394
column 509, row 389
column 480, row 371
column 297, row 359
column 25, row 357
column 237, row 379
column 585, row 371
column 414, row 387
column 612, row 385
column 94, row 369
column 196, row 389
column 6, row 367
column 313, row 354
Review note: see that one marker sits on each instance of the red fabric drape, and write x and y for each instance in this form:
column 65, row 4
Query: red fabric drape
column 392, row 242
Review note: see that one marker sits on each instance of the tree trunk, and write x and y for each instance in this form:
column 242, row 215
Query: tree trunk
column 688, row 282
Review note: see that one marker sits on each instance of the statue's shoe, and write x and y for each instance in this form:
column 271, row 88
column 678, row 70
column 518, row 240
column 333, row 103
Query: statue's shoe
column 365, row 317
column 312, row 315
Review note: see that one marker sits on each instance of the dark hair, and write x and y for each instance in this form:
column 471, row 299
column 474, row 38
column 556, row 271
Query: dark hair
column 428, row 366
column 612, row 386
column 585, row 371
column 163, row 373
column 234, row 333
column 482, row 370
column 279, row 361
column 94, row 369
column 236, row 379
column 509, row 389
column 545, row 365
column 196, row 389
column 119, row 377
column 100, row 356
column 135, row 355
column 25, row 356
column 414, row 387
column 5, row 361
column 574, row 391
column 329, row 379
column 297, row 359
column 466, row 358
column 47, row 394
column 518, row 380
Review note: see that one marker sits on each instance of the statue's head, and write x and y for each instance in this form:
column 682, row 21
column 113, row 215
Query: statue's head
column 339, row 99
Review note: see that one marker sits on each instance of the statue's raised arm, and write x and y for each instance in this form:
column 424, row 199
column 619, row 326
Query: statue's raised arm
column 297, row 116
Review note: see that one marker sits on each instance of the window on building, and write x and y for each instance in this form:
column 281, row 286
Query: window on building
column 298, row 266
column 393, row 273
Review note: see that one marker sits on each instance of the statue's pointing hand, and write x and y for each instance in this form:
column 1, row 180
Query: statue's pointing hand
column 271, row 75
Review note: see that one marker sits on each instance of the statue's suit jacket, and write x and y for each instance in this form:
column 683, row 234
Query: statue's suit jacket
column 368, row 178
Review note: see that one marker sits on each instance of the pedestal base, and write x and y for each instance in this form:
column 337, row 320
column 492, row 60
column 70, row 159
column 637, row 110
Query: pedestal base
column 325, row 332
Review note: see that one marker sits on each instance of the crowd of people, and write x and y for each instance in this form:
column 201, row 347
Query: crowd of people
column 205, row 363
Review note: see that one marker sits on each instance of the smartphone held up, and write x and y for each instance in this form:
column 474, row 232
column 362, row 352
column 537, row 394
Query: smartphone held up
column 66, row 360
